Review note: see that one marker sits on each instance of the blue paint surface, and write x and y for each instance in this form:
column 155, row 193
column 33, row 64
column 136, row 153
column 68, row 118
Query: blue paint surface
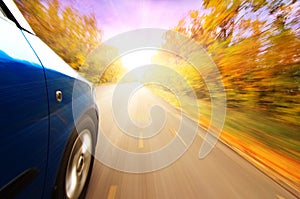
column 34, row 127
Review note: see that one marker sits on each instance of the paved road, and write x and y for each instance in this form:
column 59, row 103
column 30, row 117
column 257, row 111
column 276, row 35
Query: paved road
column 222, row 174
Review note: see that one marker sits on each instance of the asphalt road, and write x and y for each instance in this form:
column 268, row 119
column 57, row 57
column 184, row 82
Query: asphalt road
column 222, row 174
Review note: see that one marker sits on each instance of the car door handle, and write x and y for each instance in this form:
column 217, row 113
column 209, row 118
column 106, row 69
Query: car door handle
column 58, row 96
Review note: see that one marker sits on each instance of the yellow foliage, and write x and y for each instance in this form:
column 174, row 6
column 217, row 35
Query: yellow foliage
column 194, row 14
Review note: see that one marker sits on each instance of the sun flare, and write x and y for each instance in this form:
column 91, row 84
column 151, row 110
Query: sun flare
column 138, row 58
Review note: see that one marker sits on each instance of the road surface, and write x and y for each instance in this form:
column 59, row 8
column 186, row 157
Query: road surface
column 222, row 174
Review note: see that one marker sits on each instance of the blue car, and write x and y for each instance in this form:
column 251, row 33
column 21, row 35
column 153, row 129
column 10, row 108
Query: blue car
column 48, row 117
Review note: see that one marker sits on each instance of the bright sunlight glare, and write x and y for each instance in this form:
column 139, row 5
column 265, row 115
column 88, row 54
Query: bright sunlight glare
column 138, row 58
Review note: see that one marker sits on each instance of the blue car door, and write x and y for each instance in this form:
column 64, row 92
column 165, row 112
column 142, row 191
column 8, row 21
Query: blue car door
column 24, row 124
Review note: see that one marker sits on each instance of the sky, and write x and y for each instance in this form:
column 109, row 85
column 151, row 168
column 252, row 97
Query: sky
column 117, row 16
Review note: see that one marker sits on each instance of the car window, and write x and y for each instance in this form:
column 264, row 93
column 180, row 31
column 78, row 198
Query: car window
column 17, row 16
column 5, row 13
column 2, row 13
column 10, row 10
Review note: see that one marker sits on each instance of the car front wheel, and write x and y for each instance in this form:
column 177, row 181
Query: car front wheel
column 77, row 162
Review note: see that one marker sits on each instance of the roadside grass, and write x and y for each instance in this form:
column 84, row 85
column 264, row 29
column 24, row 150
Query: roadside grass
column 259, row 137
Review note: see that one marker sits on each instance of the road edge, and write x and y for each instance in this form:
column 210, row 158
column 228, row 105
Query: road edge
column 265, row 169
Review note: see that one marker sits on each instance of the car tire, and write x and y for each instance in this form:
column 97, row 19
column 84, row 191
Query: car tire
column 76, row 166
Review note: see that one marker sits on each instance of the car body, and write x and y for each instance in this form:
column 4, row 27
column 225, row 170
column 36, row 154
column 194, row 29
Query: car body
column 47, row 112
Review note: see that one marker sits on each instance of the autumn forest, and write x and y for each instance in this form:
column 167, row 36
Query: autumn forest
column 255, row 45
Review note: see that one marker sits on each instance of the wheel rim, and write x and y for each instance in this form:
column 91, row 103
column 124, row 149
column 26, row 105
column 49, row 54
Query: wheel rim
column 78, row 165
